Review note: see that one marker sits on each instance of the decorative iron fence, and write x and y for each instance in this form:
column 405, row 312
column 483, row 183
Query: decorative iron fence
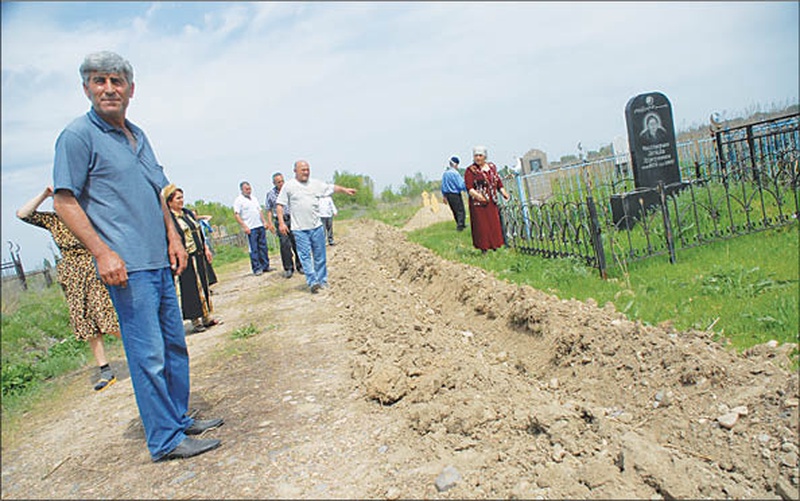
column 13, row 268
column 744, row 180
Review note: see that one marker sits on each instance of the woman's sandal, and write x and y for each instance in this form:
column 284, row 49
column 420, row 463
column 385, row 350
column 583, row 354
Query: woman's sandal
column 198, row 328
column 104, row 383
column 213, row 322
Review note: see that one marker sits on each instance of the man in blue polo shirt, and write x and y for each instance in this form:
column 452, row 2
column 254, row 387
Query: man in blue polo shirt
column 452, row 187
column 108, row 192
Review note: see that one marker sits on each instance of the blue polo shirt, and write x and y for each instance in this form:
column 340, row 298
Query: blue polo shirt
column 452, row 182
column 117, row 187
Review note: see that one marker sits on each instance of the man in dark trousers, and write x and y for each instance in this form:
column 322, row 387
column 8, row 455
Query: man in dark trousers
column 288, row 244
column 452, row 187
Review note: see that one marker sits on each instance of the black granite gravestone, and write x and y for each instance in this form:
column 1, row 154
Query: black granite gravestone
column 654, row 156
column 651, row 136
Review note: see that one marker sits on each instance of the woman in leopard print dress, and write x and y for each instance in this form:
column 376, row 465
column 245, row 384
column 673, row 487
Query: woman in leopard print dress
column 90, row 310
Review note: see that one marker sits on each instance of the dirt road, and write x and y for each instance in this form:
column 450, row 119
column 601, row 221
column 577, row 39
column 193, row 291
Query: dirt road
column 413, row 377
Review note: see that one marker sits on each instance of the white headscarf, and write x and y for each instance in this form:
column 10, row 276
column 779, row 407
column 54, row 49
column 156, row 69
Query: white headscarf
column 479, row 149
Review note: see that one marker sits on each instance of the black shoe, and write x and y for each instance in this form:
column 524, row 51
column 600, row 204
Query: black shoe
column 315, row 288
column 191, row 447
column 288, row 274
column 201, row 425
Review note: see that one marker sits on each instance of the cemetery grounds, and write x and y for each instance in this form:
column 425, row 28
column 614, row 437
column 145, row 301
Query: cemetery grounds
column 416, row 377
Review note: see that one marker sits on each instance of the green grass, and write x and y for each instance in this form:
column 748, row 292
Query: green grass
column 37, row 342
column 745, row 288
column 245, row 332
column 225, row 254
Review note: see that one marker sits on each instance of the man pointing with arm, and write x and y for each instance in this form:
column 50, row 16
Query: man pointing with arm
column 301, row 196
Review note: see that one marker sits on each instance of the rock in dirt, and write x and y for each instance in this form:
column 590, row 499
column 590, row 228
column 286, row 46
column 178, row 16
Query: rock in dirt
column 728, row 420
column 447, row 479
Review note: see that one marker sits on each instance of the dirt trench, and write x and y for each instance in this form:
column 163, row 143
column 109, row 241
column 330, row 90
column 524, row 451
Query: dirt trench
column 414, row 377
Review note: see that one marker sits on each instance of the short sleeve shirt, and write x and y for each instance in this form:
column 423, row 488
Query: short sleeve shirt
column 272, row 202
column 117, row 186
column 249, row 210
column 326, row 207
column 303, row 201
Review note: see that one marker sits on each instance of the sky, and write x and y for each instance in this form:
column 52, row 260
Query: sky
column 232, row 91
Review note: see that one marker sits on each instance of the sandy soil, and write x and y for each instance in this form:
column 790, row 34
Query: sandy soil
column 414, row 377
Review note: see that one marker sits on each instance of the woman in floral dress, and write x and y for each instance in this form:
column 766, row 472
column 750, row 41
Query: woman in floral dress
column 483, row 184
column 91, row 313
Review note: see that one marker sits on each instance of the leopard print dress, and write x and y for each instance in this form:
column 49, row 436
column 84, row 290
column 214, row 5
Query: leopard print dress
column 90, row 309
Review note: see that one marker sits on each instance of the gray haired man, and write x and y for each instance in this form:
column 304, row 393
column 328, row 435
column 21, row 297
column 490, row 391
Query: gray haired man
column 108, row 192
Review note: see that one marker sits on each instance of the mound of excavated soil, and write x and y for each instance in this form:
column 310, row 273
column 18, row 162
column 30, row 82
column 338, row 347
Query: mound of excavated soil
column 531, row 396
column 414, row 377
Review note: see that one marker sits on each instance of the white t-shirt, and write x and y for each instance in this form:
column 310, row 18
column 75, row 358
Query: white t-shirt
column 303, row 201
column 326, row 207
column 249, row 210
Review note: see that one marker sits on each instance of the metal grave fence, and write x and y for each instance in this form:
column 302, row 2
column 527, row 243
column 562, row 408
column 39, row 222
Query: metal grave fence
column 742, row 180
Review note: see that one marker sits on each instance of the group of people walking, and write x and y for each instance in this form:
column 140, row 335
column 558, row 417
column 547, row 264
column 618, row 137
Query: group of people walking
column 300, row 211
column 482, row 183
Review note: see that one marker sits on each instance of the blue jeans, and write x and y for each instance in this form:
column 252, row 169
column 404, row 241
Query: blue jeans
column 259, row 255
column 155, row 345
column 312, row 242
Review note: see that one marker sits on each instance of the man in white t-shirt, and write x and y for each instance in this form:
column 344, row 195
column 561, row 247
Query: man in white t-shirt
column 250, row 217
column 301, row 196
column 327, row 209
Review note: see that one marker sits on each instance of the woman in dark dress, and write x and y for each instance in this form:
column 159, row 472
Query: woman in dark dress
column 483, row 184
column 193, row 284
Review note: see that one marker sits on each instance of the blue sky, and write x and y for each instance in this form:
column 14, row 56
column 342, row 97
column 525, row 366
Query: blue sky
column 228, row 91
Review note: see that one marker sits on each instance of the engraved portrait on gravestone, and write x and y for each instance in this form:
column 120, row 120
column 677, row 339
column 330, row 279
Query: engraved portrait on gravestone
column 652, row 131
